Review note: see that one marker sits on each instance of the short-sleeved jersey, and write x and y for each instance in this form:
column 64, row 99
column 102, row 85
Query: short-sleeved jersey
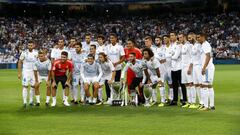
column 206, row 48
column 78, row 60
column 151, row 65
column 114, row 52
column 168, row 56
column 134, row 50
column 28, row 58
column 56, row 53
column 42, row 67
column 101, row 48
column 107, row 68
column 92, row 70
column 137, row 68
column 196, row 54
column 60, row 68
column 186, row 54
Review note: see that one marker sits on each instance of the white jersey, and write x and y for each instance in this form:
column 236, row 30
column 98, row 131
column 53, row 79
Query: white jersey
column 86, row 46
column 91, row 71
column 42, row 67
column 101, row 48
column 151, row 65
column 114, row 52
column 28, row 58
column 107, row 69
column 160, row 55
column 186, row 49
column 56, row 53
column 176, row 57
column 137, row 68
column 168, row 56
column 78, row 60
column 206, row 48
column 196, row 54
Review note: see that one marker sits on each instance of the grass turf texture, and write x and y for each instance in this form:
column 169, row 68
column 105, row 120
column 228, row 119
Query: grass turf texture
column 102, row 120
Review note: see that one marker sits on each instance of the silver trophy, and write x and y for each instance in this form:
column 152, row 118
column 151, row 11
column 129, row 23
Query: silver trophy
column 147, row 92
column 117, row 93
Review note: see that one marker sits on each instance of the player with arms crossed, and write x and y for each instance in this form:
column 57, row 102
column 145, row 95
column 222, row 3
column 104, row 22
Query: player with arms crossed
column 91, row 73
column 61, row 72
column 25, row 72
column 208, row 70
column 42, row 72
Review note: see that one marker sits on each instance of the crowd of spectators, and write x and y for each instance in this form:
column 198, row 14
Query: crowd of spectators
column 223, row 30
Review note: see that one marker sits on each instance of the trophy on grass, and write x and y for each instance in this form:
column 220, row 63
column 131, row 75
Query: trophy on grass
column 118, row 96
column 147, row 92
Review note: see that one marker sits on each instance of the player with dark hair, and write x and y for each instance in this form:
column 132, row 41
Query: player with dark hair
column 61, row 72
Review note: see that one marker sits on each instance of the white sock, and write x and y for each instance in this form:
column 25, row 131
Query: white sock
column 75, row 92
column 72, row 92
column 162, row 94
column 201, row 96
column 100, row 94
column 205, row 97
column 82, row 93
column 154, row 95
column 47, row 99
column 189, row 98
column 24, row 95
column 211, row 97
column 180, row 93
column 63, row 94
column 54, row 100
column 38, row 98
column 198, row 91
column 193, row 94
column 170, row 93
column 66, row 99
column 31, row 94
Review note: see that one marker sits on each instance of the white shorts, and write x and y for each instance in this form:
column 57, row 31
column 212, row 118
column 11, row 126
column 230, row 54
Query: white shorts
column 28, row 78
column 185, row 77
column 42, row 78
column 207, row 79
column 91, row 80
column 167, row 76
column 154, row 78
column 76, row 80
column 197, row 74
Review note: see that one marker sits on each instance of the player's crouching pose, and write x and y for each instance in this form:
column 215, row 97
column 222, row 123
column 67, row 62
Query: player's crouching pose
column 78, row 58
column 107, row 77
column 91, row 72
column 27, row 60
column 61, row 72
column 137, row 67
column 151, row 73
column 42, row 72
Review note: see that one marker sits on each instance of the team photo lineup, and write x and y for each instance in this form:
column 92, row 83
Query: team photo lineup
column 178, row 66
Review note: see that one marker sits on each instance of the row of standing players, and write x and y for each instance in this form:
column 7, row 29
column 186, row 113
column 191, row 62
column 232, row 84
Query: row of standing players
column 174, row 60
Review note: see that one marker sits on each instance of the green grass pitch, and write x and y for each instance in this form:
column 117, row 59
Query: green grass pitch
column 104, row 120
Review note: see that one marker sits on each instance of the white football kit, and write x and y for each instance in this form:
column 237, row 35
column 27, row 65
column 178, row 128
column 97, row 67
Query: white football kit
column 209, row 76
column 29, row 58
column 42, row 68
column 186, row 61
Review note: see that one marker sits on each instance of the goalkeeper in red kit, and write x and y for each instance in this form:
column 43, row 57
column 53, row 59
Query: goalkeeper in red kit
column 61, row 72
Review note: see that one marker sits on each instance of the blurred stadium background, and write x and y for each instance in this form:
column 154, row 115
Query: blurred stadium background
column 45, row 20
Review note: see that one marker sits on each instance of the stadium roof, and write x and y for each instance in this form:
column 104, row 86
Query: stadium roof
column 94, row 2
